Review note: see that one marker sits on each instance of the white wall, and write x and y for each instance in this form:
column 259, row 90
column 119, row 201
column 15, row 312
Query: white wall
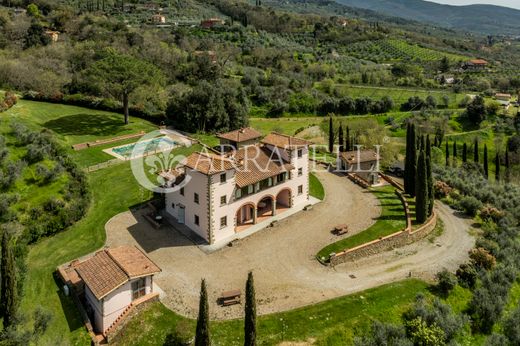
column 197, row 184
column 112, row 306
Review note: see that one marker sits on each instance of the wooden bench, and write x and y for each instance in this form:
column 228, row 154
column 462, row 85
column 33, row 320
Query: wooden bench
column 341, row 229
column 230, row 297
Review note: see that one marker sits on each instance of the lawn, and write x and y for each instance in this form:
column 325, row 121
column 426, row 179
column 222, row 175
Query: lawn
column 315, row 187
column 390, row 221
column 333, row 322
column 113, row 190
column 73, row 124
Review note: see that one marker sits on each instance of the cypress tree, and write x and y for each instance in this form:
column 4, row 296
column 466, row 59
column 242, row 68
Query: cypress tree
column 331, row 135
column 447, row 154
column 8, row 282
column 340, row 138
column 507, row 166
column 497, row 167
column 486, row 167
column 202, row 330
column 475, row 151
column 410, row 161
column 454, row 150
column 429, row 176
column 421, row 190
column 464, row 152
column 428, row 147
column 250, row 313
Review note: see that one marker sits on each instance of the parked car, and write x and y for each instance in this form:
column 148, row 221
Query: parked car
column 397, row 169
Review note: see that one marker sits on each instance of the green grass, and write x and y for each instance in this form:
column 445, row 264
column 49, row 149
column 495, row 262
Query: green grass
column 284, row 125
column 333, row 322
column 114, row 189
column 73, row 124
column 390, row 221
column 315, row 187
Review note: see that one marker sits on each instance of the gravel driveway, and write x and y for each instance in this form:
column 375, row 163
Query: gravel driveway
column 282, row 258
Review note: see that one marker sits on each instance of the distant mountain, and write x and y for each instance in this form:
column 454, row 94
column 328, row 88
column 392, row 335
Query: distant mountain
column 483, row 19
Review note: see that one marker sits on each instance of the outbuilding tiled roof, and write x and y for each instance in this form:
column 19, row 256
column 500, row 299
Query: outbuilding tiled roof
column 133, row 261
column 241, row 135
column 353, row 157
column 110, row 268
column 478, row 62
column 101, row 274
column 257, row 163
column 207, row 163
column 284, row 141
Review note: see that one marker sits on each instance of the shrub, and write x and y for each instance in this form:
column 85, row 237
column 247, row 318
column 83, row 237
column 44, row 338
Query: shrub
column 384, row 334
column 482, row 258
column 422, row 334
column 470, row 205
column 467, row 276
column 441, row 189
column 512, row 327
column 9, row 100
column 446, row 282
column 489, row 212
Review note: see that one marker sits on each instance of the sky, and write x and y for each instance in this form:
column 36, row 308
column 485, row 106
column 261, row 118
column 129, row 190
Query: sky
column 507, row 3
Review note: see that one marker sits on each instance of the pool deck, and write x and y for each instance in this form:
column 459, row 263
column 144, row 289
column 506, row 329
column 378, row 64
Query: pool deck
column 110, row 151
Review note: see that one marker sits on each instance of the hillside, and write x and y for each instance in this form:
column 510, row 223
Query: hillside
column 484, row 19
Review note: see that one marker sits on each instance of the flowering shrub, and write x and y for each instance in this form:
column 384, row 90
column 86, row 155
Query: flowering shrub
column 9, row 100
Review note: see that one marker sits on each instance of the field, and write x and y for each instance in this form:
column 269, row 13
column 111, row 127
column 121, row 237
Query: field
column 400, row 95
column 391, row 220
column 389, row 50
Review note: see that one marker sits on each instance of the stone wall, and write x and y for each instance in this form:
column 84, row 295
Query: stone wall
column 390, row 242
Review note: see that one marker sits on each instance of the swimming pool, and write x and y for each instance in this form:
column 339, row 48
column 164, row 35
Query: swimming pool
column 142, row 148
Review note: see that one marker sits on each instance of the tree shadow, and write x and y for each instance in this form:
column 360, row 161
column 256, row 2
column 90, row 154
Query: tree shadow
column 86, row 124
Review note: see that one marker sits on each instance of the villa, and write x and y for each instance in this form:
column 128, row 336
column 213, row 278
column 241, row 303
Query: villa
column 250, row 181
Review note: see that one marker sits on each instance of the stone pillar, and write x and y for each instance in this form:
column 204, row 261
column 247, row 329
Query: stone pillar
column 254, row 215
column 274, row 206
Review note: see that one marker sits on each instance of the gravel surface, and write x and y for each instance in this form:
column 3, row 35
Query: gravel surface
column 282, row 258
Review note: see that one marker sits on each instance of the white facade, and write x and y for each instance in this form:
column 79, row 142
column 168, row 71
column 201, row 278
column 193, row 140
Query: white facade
column 108, row 309
column 217, row 210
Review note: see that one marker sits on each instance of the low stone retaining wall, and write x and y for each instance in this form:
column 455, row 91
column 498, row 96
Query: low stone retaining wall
column 390, row 242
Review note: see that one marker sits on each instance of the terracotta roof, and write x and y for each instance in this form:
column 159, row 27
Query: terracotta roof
column 478, row 62
column 256, row 163
column 133, row 261
column 284, row 141
column 354, row 157
column 110, row 268
column 207, row 163
column 241, row 135
column 101, row 274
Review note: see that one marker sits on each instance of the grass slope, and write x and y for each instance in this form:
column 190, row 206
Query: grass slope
column 333, row 322
column 73, row 124
column 315, row 187
column 390, row 221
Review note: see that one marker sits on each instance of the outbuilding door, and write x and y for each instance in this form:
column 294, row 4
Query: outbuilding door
column 181, row 214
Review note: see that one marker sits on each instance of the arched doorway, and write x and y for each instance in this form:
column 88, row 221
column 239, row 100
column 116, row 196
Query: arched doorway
column 283, row 200
column 246, row 216
column 265, row 206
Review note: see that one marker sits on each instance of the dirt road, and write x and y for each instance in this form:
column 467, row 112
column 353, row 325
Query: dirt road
column 282, row 258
